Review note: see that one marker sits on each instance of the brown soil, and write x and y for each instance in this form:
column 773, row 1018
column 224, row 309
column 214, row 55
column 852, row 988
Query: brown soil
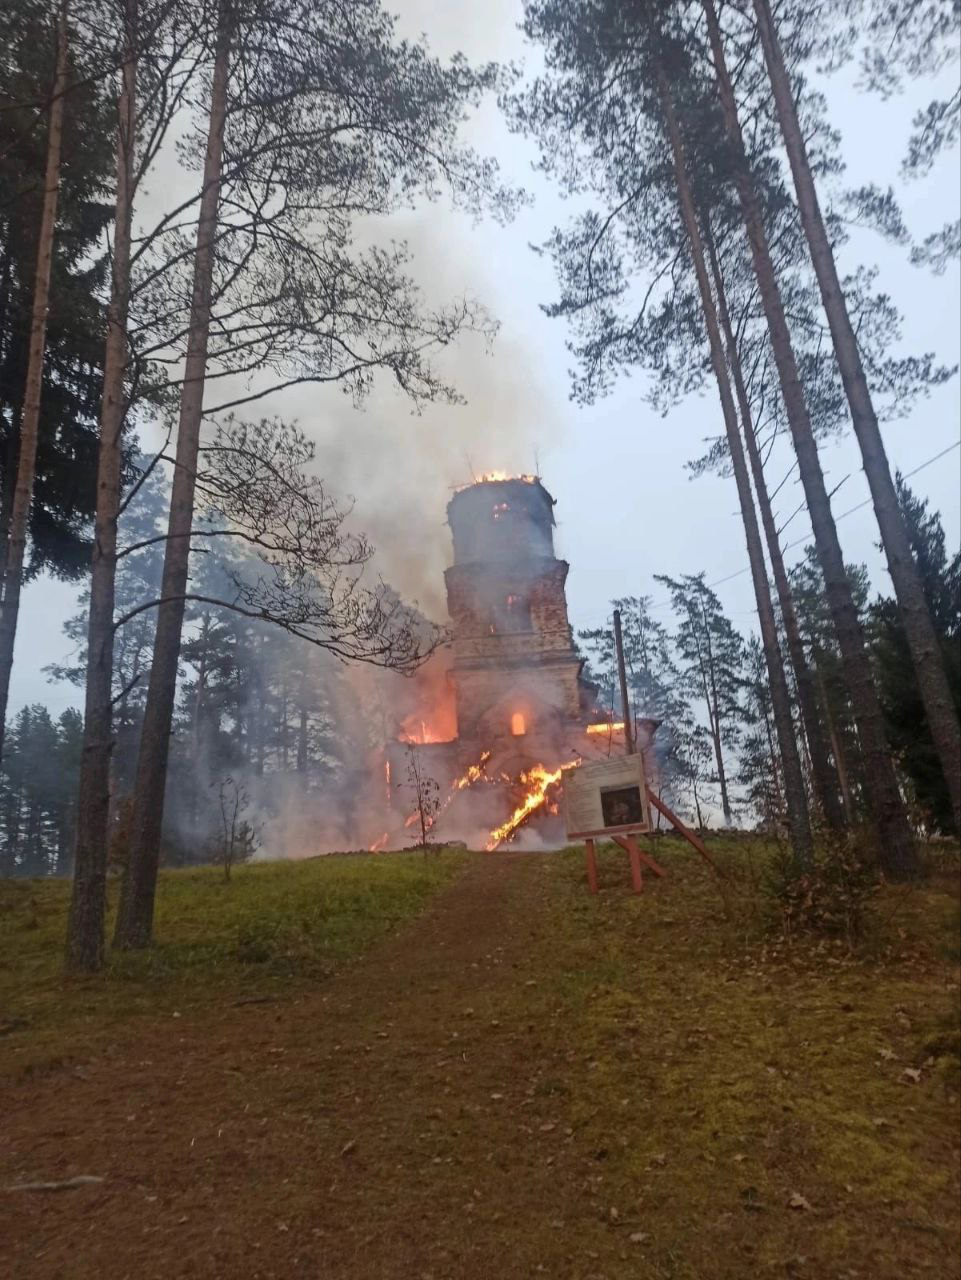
column 412, row 1118
column 335, row 1135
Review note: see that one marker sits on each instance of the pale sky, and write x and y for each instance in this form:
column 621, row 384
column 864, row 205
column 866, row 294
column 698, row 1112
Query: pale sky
column 626, row 508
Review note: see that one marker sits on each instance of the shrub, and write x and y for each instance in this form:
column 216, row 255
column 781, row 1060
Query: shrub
column 830, row 899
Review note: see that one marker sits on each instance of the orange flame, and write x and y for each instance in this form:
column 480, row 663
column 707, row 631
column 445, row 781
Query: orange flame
column 473, row 774
column 419, row 732
column 497, row 477
column 379, row 844
column 539, row 780
column 606, row 727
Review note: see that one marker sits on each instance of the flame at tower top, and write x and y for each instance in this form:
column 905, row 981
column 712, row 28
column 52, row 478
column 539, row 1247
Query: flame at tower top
column 501, row 518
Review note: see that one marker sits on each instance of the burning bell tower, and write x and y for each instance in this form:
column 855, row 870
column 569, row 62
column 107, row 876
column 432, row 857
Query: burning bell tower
column 516, row 676
column 523, row 708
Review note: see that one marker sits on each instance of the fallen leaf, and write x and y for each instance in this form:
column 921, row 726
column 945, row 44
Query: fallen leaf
column 912, row 1073
column 750, row 1200
column 797, row 1201
column 64, row 1184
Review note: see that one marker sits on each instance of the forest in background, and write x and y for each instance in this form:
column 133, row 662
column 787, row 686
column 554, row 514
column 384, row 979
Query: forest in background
column 226, row 593
column 261, row 709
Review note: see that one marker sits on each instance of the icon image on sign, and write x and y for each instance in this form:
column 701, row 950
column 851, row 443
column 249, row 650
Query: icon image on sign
column 622, row 806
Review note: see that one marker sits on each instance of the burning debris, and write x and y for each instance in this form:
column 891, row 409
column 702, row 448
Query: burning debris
column 540, row 782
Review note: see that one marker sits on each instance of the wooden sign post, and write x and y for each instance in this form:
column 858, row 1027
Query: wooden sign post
column 608, row 799
column 611, row 799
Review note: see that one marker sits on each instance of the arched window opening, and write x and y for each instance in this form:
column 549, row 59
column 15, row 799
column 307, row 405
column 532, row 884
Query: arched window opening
column 510, row 614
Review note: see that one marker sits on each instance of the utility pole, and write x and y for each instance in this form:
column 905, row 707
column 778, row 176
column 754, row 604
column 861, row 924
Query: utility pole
column 622, row 676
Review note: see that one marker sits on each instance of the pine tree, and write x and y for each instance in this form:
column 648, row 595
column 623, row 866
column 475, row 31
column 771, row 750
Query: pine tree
column 758, row 771
column 51, row 220
column 355, row 124
column 908, row 726
column 930, row 674
column 66, row 445
column 713, row 656
column 38, row 781
column 608, row 68
column 896, row 850
column 827, row 667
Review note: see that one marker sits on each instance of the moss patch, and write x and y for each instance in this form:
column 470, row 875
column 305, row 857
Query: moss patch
column 273, row 929
column 727, row 1075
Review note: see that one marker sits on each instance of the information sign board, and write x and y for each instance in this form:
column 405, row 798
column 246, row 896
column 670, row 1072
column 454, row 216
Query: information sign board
column 606, row 798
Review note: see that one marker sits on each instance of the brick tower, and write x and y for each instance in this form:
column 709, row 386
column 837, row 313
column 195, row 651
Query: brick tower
column 516, row 677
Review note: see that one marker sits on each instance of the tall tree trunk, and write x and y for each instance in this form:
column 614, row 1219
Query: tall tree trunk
column 926, row 653
column 16, row 543
column 895, row 844
column 836, row 745
column 823, row 776
column 772, row 754
column 715, row 716
column 796, row 800
column 88, row 902
column 199, row 714
column 135, row 913
column 11, row 445
column 303, row 721
column 8, row 487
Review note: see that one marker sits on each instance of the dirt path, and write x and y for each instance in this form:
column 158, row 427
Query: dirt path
column 387, row 1126
column 523, row 1082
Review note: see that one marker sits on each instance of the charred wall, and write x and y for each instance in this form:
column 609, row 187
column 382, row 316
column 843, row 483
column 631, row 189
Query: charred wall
column 515, row 672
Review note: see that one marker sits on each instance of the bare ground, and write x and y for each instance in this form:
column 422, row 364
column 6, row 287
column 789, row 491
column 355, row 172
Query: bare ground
column 449, row 1107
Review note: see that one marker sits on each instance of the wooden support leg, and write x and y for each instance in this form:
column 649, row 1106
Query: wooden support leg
column 679, row 826
column 650, row 863
column 634, row 855
column 591, row 866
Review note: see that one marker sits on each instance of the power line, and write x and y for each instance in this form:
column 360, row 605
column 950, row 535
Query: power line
column 738, row 573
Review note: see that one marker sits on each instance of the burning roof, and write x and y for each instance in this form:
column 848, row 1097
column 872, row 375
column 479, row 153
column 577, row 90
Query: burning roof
column 496, row 477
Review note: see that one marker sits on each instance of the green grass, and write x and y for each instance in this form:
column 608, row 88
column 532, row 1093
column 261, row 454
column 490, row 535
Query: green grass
column 680, row 1068
column 749, row 1068
column 274, row 928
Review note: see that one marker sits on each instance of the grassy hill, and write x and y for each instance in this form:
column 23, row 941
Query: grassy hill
column 517, row 1075
column 272, row 930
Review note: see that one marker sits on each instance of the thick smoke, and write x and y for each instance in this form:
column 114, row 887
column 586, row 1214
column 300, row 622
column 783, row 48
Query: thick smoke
column 401, row 466
column 398, row 468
